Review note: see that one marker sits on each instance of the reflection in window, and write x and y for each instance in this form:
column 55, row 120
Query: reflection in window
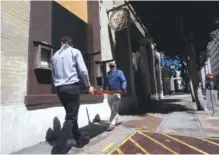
column 45, row 58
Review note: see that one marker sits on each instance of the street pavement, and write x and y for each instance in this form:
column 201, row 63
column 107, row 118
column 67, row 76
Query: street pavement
column 184, row 120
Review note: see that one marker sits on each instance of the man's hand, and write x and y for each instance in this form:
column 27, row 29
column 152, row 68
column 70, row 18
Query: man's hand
column 91, row 90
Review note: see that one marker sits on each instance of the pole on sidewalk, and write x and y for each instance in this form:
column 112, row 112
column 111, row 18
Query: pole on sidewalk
column 210, row 86
column 212, row 102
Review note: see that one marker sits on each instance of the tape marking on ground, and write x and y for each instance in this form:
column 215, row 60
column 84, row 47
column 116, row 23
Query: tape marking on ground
column 119, row 151
column 192, row 147
column 208, row 141
column 107, row 147
column 164, row 146
column 139, row 146
column 181, row 135
column 214, row 138
column 126, row 139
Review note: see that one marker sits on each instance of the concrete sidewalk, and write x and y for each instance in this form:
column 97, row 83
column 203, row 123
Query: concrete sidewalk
column 108, row 140
column 187, row 122
column 191, row 122
column 182, row 120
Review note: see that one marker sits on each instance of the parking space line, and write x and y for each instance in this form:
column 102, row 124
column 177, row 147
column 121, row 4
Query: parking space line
column 123, row 142
column 190, row 146
column 142, row 130
column 213, row 138
column 107, row 147
column 139, row 146
column 171, row 136
column 119, row 151
column 208, row 141
column 175, row 134
column 152, row 139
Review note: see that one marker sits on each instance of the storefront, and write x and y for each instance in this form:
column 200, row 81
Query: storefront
column 31, row 32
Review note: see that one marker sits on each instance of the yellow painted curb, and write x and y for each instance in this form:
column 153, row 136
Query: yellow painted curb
column 104, row 149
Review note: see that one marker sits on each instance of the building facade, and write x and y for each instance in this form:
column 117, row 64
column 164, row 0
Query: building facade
column 214, row 54
column 212, row 63
column 133, row 51
column 31, row 32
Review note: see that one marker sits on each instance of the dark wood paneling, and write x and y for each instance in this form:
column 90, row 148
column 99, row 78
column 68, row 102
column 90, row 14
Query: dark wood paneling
column 121, row 54
column 95, row 24
column 93, row 35
column 49, row 21
column 53, row 99
column 40, row 29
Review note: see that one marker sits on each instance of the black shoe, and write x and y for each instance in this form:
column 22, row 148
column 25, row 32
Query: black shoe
column 82, row 141
column 57, row 151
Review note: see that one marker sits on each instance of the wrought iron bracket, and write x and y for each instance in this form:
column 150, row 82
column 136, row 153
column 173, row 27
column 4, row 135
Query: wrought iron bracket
column 118, row 7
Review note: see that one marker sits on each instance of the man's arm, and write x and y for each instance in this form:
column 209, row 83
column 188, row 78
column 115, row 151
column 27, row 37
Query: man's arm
column 82, row 69
column 52, row 70
column 123, row 80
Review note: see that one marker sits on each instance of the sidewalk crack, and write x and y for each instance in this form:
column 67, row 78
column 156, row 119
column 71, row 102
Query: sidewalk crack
column 162, row 123
column 199, row 124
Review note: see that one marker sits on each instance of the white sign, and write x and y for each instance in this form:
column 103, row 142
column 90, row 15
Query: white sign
column 119, row 19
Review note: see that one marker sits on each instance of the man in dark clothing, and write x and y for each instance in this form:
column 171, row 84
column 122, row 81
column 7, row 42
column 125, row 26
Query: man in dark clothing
column 67, row 66
column 115, row 81
column 209, row 82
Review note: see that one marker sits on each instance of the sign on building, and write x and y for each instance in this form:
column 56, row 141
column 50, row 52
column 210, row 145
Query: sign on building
column 170, row 64
column 119, row 19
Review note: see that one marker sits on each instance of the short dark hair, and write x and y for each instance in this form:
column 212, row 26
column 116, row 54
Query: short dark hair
column 66, row 40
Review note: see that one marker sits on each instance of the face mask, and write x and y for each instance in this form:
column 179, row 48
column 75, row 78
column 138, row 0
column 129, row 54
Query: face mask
column 111, row 66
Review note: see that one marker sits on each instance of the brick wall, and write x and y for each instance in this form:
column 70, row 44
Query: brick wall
column 14, row 50
column 18, row 122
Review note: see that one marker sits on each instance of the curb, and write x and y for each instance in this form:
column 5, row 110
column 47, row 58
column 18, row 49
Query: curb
column 163, row 121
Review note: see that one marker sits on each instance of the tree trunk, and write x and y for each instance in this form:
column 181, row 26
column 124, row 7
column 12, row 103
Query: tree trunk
column 185, row 75
column 193, row 68
column 187, row 83
column 192, row 91
column 160, row 82
column 188, row 79
column 195, row 80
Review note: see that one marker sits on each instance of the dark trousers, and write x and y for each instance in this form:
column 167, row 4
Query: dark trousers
column 69, row 95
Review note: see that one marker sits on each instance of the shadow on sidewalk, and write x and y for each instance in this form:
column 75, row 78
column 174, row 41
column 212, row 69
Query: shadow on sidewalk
column 90, row 131
column 163, row 106
column 169, row 100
